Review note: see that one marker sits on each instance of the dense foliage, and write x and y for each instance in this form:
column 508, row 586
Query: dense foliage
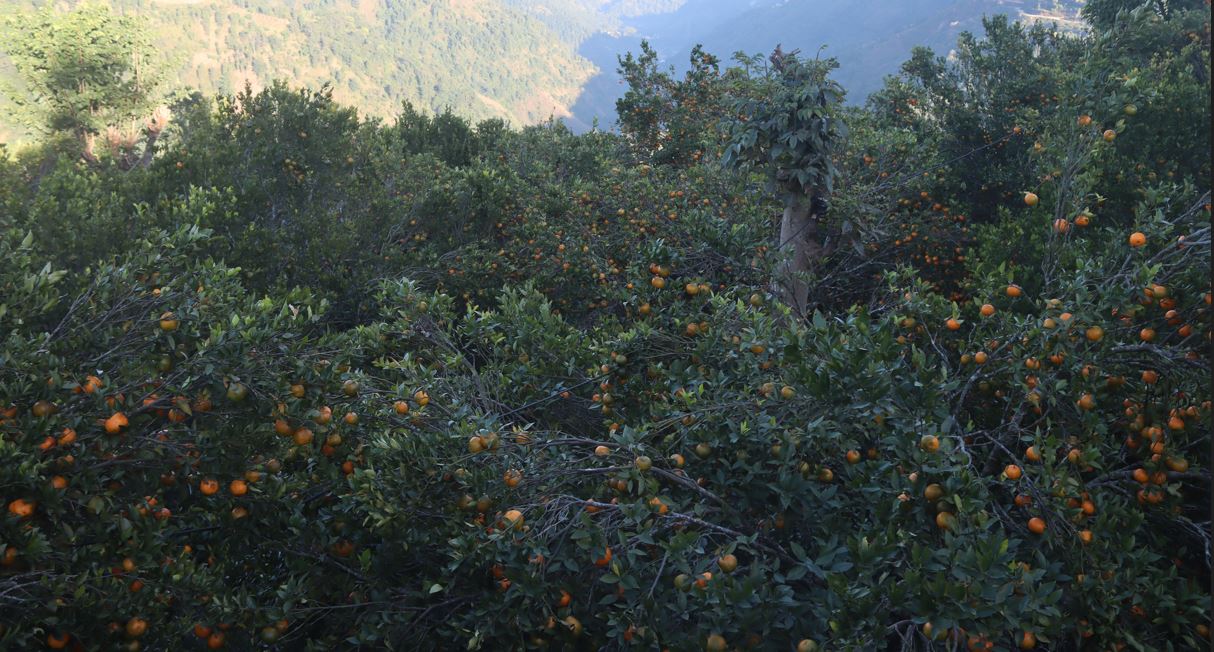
column 309, row 381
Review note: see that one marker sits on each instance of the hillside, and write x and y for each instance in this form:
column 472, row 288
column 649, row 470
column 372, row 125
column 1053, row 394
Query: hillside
column 494, row 59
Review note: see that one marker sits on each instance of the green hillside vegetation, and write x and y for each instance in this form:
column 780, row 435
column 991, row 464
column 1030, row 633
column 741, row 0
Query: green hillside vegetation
column 480, row 59
column 764, row 370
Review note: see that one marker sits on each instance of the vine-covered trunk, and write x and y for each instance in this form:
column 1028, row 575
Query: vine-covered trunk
column 799, row 249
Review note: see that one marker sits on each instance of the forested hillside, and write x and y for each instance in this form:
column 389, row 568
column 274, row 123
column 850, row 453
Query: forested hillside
column 762, row 370
column 482, row 59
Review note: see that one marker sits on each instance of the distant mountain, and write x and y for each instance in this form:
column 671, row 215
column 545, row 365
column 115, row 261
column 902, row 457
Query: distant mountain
column 522, row 60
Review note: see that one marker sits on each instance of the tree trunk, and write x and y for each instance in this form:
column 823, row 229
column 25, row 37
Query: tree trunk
column 800, row 250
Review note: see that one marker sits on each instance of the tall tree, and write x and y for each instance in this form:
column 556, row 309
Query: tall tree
column 792, row 128
column 84, row 73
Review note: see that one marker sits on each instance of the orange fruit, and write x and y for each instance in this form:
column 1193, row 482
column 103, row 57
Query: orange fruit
column 1030, row 199
column 1095, row 333
column 728, row 563
column 1036, row 525
column 208, row 487
column 952, row 324
column 238, row 487
column 1012, row 472
column 21, row 508
column 987, row 310
column 116, row 423
column 605, row 559
column 514, row 519
column 1028, row 641
column 1137, row 239
column 1014, row 291
column 1032, row 454
column 168, row 322
column 136, row 627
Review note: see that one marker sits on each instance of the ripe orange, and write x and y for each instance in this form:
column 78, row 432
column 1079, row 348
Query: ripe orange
column 1014, row 291
column 21, row 508
column 1012, row 472
column 514, row 519
column 116, row 423
column 1095, row 333
column 853, row 457
column 605, row 559
column 952, row 324
column 987, row 310
column 1137, row 239
column 1109, row 135
column 716, row 643
column 1028, row 641
column 1030, row 199
column 1032, row 454
column 238, row 488
column 302, row 437
column 1036, row 525
column 208, row 487
column 401, row 407
column 929, row 443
